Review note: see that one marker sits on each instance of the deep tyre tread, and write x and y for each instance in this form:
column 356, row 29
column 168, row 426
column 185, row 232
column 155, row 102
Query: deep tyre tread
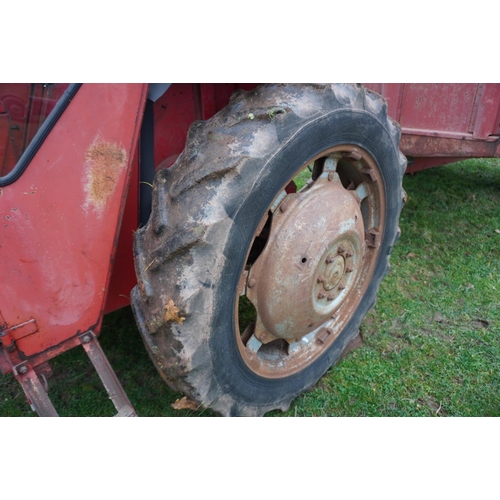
column 205, row 211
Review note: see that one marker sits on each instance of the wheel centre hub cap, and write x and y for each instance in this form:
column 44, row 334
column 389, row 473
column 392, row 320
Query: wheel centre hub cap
column 310, row 263
column 334, row 273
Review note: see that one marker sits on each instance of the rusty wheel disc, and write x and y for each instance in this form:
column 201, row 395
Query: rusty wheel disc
column 312, row 259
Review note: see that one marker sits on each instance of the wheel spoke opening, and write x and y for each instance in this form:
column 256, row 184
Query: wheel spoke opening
column 247, row 317
column 274, row 351
column 304, row 177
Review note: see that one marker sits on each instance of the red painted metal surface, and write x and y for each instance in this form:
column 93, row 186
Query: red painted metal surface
column 123, row 277
column 434, row 107
column 60, row 220
column 443, row 123
column 464, row 110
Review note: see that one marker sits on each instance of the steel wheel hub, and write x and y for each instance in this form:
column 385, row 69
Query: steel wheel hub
column 311, row 262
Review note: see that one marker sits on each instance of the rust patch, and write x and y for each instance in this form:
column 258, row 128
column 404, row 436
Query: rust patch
column 420, row 145
column 172, row 312
column 104, row 162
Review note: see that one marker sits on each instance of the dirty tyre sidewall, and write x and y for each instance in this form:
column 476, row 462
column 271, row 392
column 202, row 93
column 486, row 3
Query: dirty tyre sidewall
column 339, row 127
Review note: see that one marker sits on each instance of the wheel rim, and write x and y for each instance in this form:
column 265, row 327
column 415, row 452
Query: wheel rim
column 311, row 261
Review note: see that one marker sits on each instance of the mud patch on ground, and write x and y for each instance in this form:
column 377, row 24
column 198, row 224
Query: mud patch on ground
column 435, row 407
column 104, row 162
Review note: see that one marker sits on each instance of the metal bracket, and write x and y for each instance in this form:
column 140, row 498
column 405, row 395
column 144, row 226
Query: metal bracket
column 5, row 364
column 370, row 173
column 34, row 390
column 354, row 155
column 10, row 335
column 373, row 238
column 107, row 375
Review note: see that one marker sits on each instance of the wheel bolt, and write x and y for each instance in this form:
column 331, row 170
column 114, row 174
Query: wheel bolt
column 251, row 282
column 321, row 279
column 284, row 204
column 321, row 295
column 323, row 335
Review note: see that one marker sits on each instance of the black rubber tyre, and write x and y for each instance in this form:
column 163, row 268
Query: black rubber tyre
column 206, row 209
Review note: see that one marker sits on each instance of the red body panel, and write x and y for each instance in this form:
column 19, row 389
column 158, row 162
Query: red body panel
column 60, row 219
column 445, row 121
column 123, row 277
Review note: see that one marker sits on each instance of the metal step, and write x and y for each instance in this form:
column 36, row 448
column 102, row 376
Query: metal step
column 35, row 392
column 37, row 395
column 107, row 375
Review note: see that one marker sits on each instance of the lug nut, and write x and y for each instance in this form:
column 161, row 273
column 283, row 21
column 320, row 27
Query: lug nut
column 341, row 287
column 321, row 279
column 348, row 255
column 251, row 282
column 341, row 249
column 330, row 259
column 321, row 295
column 323, row 335
column 23, row 369
column 330, row 297
column 348, row 269
column 284, row 204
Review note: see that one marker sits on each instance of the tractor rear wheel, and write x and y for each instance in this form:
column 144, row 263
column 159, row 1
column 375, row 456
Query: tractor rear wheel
column 249, row 289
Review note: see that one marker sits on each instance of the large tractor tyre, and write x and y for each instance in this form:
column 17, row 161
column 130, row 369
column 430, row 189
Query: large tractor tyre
column 248, row 291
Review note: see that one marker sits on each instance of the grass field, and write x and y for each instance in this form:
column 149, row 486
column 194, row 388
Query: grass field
column 431, row 344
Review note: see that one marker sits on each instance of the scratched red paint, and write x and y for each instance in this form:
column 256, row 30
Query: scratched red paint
column 55, row 256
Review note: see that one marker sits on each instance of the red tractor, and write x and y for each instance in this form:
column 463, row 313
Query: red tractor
column 209, row 201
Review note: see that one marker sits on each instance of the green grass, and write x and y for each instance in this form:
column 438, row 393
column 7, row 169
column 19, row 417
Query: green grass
column 431, row 344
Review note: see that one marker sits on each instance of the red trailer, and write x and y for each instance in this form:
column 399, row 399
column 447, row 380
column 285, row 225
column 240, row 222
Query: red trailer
column 285, row 198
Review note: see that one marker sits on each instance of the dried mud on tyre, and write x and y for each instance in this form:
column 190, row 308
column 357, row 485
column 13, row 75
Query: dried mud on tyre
column 226, row 223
